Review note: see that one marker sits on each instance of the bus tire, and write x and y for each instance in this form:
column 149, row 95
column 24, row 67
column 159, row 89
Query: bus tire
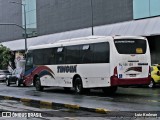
column 109, row 90
column 7, row 82
column 78, row 86
column 38, row 85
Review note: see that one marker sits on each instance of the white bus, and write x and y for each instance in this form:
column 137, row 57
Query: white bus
column 91, row 62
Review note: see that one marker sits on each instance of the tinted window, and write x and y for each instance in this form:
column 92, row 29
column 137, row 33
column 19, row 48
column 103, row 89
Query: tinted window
column 38, row 57
column 77, row 54
column 130, row 46
column 101, row 53
column 60, row 56
column 52, row 56
column 72, row 55
column 87, row 53
column 47, row 56
column 29, row 61
column 44, row 56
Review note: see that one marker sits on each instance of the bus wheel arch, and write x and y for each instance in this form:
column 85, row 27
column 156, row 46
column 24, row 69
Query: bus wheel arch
column 78, row 84
column 74, row 78
column 38, row 84
column 34, row 80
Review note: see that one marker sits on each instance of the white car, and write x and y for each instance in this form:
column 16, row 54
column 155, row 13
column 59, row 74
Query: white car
column 4, row 74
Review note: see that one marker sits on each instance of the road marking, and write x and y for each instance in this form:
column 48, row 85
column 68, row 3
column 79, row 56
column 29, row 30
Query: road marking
column 25, row 100
column 44, row 104
column 155, row 101
column 71, row 106
column 7, row 98
column 101, row 110
column 70, row 118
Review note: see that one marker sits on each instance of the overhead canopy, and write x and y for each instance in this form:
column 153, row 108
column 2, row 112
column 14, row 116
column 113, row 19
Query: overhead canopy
column 143, row 27
column 45, row 39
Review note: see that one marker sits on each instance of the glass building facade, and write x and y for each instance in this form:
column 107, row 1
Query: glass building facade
column 145, row 8
column 31, row 21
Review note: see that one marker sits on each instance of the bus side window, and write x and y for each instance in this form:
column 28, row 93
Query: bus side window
column 53, row 56
column 38, row 57
column 101, row 52
column 72, row 55
column 47, row 56
column 87, row 54
column 60, row 56
column 29, row 61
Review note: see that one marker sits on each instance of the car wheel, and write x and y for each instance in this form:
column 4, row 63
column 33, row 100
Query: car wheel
column 17, row 83
column 78, row 86
column 152, row 84
column 38, row 85
column 7, row 82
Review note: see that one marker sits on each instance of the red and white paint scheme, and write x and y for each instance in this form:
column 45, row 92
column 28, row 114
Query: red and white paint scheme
column 91, row 62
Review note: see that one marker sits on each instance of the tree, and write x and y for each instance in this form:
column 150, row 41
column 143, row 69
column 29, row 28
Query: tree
column 5, row 56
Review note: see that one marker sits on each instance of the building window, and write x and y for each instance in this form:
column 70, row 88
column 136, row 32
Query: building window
column 145, row 8
column 155, row 7
column 31, row 20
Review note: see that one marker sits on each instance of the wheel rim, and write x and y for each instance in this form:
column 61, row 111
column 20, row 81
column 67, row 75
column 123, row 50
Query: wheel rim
column 78, row 87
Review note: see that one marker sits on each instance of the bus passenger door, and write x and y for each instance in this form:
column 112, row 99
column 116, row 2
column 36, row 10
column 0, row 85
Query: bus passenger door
column 28, row 69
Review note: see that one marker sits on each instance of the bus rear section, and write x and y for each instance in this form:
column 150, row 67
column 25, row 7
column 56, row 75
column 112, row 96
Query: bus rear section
column 133, row 62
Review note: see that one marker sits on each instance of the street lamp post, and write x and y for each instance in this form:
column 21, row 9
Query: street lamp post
column 92, row 16
column 25, row 29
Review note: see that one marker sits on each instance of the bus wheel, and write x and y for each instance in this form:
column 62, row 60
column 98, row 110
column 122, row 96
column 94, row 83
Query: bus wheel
column 7, row 82
column 38, row 85
column 78, row 86
column 109, row 90
column 152, row 84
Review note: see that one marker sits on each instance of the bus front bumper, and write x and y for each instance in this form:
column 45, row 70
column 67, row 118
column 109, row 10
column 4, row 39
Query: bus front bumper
column 115, row 81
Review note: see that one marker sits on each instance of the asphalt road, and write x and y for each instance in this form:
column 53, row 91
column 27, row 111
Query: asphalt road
column 126, row 99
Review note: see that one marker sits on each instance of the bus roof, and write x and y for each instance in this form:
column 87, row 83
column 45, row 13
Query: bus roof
column 81, row 40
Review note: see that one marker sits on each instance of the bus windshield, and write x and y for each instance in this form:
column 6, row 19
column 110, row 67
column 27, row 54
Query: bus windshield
column 130, row 46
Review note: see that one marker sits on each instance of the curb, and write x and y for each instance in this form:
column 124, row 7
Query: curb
column 52, row 105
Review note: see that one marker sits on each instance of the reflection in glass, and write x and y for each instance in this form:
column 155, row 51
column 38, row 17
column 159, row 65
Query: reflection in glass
column 145, row 8
column 31, row 20
column 140, row 8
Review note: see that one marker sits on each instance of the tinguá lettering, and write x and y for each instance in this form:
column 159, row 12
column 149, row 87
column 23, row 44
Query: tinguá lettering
column 67, row 69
